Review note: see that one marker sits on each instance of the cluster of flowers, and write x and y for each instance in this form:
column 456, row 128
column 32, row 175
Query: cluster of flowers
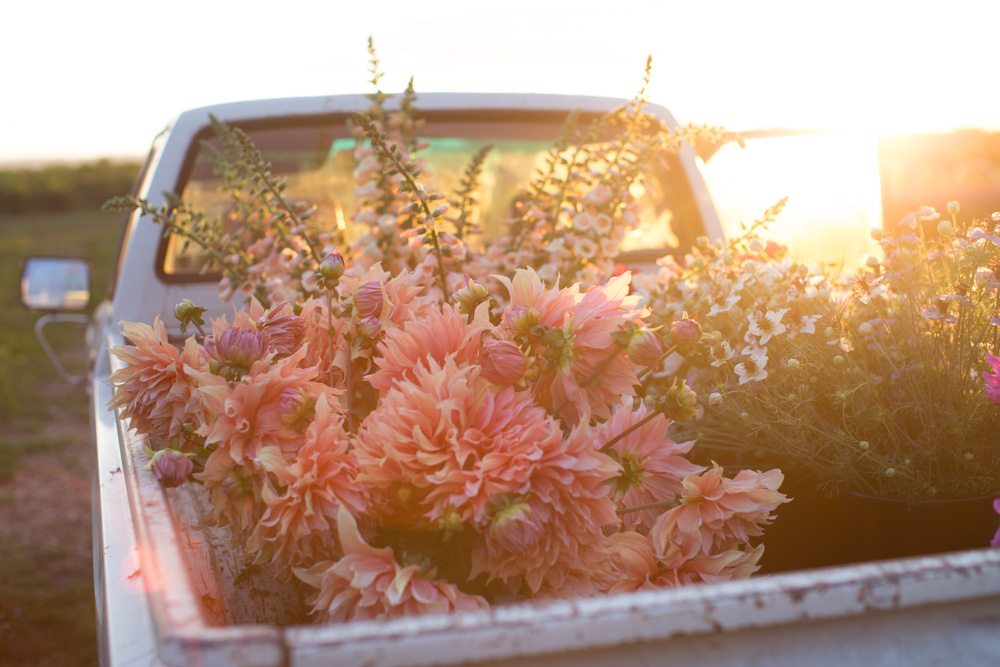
column 880, row 382
column 417, row 440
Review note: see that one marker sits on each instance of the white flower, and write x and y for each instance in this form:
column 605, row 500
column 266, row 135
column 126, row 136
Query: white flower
column 751, row 369
column 807, row 325
column 721, row 353
column 583, row 222
column 602, row 223
column 726, row 306
column 768, row 326
column 585, row 248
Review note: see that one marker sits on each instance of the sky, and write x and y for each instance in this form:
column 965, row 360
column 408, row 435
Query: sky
column 82, row 80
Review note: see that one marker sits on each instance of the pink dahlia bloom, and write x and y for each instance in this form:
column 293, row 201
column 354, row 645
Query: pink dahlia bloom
column 653, row 465
column 301, row 498
column 993, row 379
column 444, row 443
column 247, row 416
column 234, row 490
column 715, row 515
column 590, row 373
column 633, row 563
column 550, row 536
column 368, row 583
column 157, row 389
column 431, row 337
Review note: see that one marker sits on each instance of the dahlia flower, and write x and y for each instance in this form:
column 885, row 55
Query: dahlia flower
column 716, row 514
column 443, row 441
column 301, row 498
column 550, row 537
column 653, row 465
column 588, row 373
column 156, row 390
column 633, row 563
column 247, row 415
column 369, row 583
column 432, row 337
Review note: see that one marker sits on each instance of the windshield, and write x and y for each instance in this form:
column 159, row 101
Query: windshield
column 316, row 160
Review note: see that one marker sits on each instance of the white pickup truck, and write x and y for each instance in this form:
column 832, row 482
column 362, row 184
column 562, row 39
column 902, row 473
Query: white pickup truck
column 171, row 591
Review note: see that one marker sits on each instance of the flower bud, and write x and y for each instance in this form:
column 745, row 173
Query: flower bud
column 368, row 299
column 680, row 403
column 502, row 362
column 515, row 528
column 953, row 207
column 237, row 349
column 864, row 446
column 685, row 331
column 470, row 296
column 715, row 399
column 369, row 327
column 332, row 267
column 189, row 314
column 945, row 228
column 645, row 348
column 522, row 319
column 170, row 467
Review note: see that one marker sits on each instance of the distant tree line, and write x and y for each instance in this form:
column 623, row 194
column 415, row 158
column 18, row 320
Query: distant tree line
column 55, row 188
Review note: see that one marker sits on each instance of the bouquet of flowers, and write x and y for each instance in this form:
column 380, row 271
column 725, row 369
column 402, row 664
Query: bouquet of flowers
column 423, row 423
column 882, row 383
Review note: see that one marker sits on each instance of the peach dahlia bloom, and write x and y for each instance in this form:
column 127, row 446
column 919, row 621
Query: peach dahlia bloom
column 368, row 583
column 251, row 414
column 156, row 390
column 434, row 337
column 717, row 515
column 633, row 563
column 591, row 373
column 550, row 538
column 301, row 498
column 444, row 442
column 652, row 464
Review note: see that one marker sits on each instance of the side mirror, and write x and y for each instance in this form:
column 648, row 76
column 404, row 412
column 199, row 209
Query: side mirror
column 55, row 283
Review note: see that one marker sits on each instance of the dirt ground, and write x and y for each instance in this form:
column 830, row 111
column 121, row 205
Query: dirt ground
column 46, row 580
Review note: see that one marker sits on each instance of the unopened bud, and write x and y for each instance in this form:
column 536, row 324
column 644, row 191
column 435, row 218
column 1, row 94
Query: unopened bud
column 189, row 314
column 645, row 348
column 502, row 362
column 680, row 402
column 522, row 319
column 953, row 207
column 945, row 228
column 685, row 332
column 170, row 467
column 332, row 267
column 715, row 399
column 368, row 299
column 369, row 327
column 470, row 296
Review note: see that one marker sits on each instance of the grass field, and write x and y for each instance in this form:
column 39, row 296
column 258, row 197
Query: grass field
column 46, row 589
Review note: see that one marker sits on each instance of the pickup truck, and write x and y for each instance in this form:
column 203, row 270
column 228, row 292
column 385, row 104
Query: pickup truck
column 172, row 591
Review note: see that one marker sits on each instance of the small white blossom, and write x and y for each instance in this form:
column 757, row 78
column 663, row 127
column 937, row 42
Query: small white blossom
column 768, row 326
column 751, row 369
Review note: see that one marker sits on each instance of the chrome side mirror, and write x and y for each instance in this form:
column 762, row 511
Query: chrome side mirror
column 55, row 283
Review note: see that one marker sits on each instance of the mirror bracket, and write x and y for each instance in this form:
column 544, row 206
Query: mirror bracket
column 53, row 318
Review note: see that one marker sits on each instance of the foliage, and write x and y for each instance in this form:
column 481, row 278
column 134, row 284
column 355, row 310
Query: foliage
column 58, row 188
